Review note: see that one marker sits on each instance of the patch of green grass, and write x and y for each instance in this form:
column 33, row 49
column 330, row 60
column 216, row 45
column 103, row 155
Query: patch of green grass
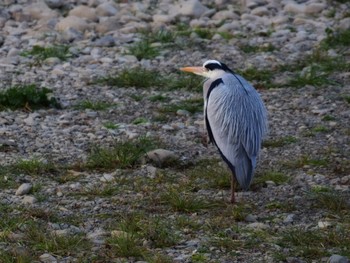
column 305, row 160
column 183, row 81
column 135, row 77
column 158, row 97
column 181, row 201
column 159, row 232
column 190, row 105
column 110, row 125
column 11, row 256
column 328, row 118
column 27, row 97
column 279, row 142
column 226, row 35
column 41, row 53
column 139, row 120
column 330, row 199
column 336, row 38
column 261, row 77
column 121, row 155
column 315, row 244
column 143, row 50
column 210, row 173
column 204, row 33
column 93, row 105
column 313, row 76
column 347, row 98
column 163, row 36
column 33, row 167
column 319, row 128
column 276, row 177
column 41, row 241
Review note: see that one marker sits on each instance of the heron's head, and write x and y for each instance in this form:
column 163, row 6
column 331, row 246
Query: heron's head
column 211, row 69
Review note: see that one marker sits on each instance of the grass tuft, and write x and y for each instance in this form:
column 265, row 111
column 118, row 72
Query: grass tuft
column 279, row 142
column 276, row 177
column 41, row 53
column 121, row 155
column 27, row 97
column 93, row 105
column 143, row 50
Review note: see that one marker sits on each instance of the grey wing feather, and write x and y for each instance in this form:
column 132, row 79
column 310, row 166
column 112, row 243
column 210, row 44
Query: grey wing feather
column 238, row 120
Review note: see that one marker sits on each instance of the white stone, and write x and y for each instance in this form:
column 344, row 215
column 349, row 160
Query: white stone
column 294, row 8
column 107, row 178
column 24, row 189
column 161, row 156
column 338, row 259
column 260, row 11
column 84, row 12
column 258, row 225
column 158, row 18
column 314, row 8
column 40, row 10
column 193, row 8
column 47, row 258
column 324, row 224
column 74, row 22
column 106, row 9
column 29, row 200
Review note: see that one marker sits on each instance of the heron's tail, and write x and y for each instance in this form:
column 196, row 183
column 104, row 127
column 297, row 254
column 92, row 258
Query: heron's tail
column 244, row 171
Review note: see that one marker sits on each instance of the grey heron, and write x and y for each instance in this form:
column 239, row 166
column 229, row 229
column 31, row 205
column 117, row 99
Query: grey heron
column 235, row 118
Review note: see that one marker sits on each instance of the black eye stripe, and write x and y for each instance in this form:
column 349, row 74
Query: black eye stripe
column 222, row 66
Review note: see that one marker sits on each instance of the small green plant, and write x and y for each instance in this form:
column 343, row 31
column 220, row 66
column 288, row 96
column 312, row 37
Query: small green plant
column 33, row 167
column 93, row 105
column 315, row 244
column 120, row 155
column 110, row 125
column 143, row 50
column 312, row 76
column 336, row 38
column 347, row 98
column 183, row 81
column 319, row 128
column 204, row 33
column 184, row 201
column 27, row 97
column 139, row 120
column 136, row 77
column 328, row 118
column 41, row 53
column 333, row 200
column 163, row 36
column 226, row 35
column 262, row 78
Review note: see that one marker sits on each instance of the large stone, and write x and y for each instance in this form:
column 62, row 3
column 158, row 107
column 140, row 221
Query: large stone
column 315, row 8
column 106, row 9
column 47, row 258
column 161, row 156
column 74, row 22
column 294, row 8
column 24, row 189
column 193, row 8
column 83, row 11
column 107, row 24
column 40, row 10
column 338, row 259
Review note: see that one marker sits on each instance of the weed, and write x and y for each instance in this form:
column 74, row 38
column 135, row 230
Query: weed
column 136, row 77
column 184, row 202
column 143, row 50
column 315, row 244
column 261, row 77
column 110, row 125
column 42, row 53
column 328, row 118
column 158, row 97
column 280, row 142
column 336, row 38
column 204, row 33
column 305, row 160
column 27, row 96
column 226, row 35
column 319, row 128
column 120, row 155
column 347, row 98
column 139, row 120
column 183, row 81
column 93, row 105
column 163, row 36
column 33, row 167
column 313, row 75
column 330, row 199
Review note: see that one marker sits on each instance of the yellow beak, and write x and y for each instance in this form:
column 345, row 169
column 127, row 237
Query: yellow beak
column 195, row 70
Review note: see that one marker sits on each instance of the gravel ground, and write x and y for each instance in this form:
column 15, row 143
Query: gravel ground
column 303, row 178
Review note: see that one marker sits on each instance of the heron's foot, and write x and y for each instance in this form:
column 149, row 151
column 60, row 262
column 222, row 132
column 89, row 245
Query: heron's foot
column 205, row 140
column 233, row 199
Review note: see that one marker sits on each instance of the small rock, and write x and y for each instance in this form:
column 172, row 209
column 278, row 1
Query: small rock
column 106, row 9
column 29, row 200
column 107, row 178
column 151, row 171
column 84, row 12
column 106, row 41
column 289, row 219
column 54, row 3
column 47, row 258
column 338, row 259
column 161, row 156
column 24, row 189
column 193, row 8
column 74, row 22
column 324, row 224
column 250, row 218
column 183, row 113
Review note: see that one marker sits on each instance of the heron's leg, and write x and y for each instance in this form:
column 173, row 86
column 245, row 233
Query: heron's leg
column 233, row 187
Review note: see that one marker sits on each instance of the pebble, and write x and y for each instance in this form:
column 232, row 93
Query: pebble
column 161, row 156
column 47, row 258
column 29, row 200
column 24, row 189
